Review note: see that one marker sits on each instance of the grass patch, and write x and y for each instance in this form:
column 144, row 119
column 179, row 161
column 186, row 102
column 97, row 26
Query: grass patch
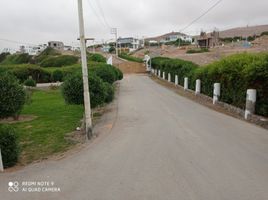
column 130, row 58
column 45, row 135
column 202, row 50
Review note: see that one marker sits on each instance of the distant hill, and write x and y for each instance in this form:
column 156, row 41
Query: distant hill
column 244, row 31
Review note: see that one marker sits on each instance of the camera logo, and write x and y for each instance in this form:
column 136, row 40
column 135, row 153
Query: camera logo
column 13, row 186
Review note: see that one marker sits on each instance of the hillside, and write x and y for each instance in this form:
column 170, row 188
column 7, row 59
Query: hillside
column 244, row 31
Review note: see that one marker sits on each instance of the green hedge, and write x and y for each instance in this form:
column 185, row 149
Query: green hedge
column 9, row 145
column 236, row 74
column 95, row 57
column 37, row 73
column 175, row 67
column 59, row 61
column 130, row 58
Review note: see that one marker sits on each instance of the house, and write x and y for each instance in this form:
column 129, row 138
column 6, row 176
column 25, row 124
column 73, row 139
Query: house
column 33, row 50
column 56, row 45
column 128, row 44
column 208, row 40
column 169, row 37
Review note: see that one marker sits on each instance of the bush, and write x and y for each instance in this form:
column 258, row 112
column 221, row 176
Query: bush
column 95, row 57
column 3, row 56
column 119, row 73
column 23, row 58
column 72, row 90
column 202, row 50
column 264, row 33
column 9, row 146
column 37, row 73
column 57, row 75
column 175, row 67
column 236, row 73
column 59, row 61
column 106, row 73
column 109, row 92
column 30, row 82
column 46, row 53
column 12, row 96
column 130, row 58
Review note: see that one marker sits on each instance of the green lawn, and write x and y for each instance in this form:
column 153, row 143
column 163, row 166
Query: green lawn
column 45, row 135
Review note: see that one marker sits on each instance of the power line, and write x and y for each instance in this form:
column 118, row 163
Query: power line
column 206, row 12
column 102, row 13
column 16, row 42
column 96, row 14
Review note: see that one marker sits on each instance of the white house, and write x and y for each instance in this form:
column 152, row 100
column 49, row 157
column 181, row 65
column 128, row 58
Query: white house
column 130, row 43
column 33, row 50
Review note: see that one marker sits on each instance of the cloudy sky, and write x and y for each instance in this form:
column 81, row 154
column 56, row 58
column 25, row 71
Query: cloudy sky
column 38, row 21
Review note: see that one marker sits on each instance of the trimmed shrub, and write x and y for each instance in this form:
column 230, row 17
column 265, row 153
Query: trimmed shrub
column 12, row 96
column 119, row 73
column 57, row 75
column 37, row 73
column 72, row 90
column 236, row 73
column 106, row 73
column 175, row 67
column 30, row 82
column 9, row 145
column 95, row 57
column 59, row 61
column 109, row 92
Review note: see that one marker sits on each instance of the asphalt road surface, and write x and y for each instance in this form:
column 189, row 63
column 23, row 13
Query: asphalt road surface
column 161, row 147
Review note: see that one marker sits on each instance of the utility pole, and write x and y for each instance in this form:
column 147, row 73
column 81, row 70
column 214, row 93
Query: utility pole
column 114, row 31
column 88, row 120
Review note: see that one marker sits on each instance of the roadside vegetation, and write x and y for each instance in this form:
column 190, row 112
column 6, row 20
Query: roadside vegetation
column 201, row 50
column 236, row 73
column 35, row 123
column 130, row 58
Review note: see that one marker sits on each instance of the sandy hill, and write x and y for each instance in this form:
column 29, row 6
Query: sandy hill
column 244, row 31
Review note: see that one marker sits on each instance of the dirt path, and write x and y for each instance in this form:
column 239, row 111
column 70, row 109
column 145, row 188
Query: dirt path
column 128, row 67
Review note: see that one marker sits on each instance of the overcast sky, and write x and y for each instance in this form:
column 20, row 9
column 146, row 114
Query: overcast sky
column 38, row 21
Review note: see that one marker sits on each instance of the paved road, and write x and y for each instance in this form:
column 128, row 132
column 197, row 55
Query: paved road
column 162, row 147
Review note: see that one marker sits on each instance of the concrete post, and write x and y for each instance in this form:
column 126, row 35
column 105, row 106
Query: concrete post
column 1, row 163
column 251, row 102
column 216, row 92
column 155, row 72
column 169, row 77
column 164, row 75
column 176, row 80
column 197, row 86
column 185, row 83
column 159, row 73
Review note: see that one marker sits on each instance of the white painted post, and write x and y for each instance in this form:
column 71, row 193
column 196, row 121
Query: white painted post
column 251, row 102
column 1, row 163
column 185, row 83
column 159, row 73
column 197, row 86
column 164, row 75
column 169, row 77
column 216, row 92
column 176, row 80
